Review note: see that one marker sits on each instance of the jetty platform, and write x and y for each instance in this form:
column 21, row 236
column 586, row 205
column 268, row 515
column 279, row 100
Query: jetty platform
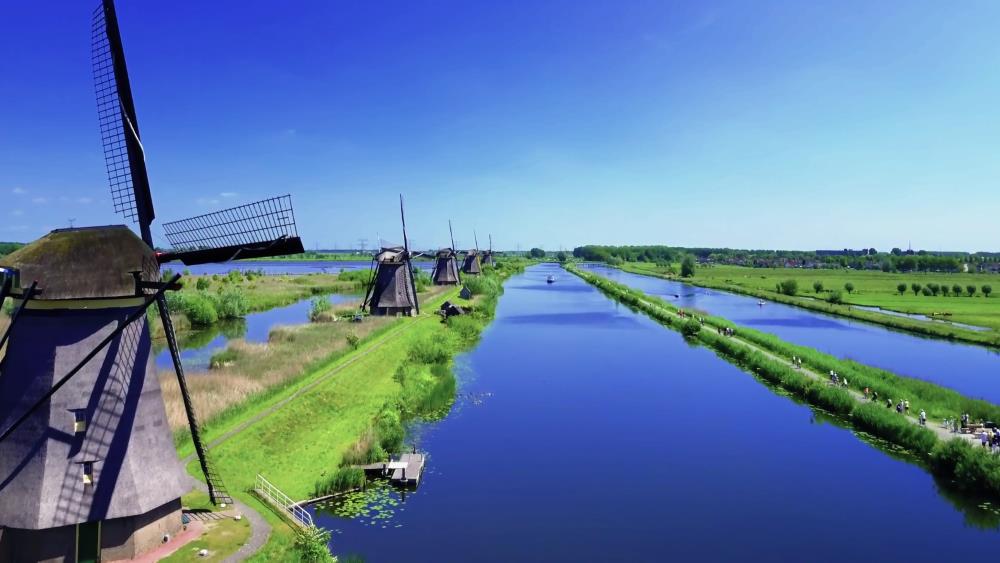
column 405, row 471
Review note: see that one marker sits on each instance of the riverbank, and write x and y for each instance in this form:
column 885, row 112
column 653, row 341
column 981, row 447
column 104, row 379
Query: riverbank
column 206, row 300
column 770, row 358
column 748, row 283
column 351, row 404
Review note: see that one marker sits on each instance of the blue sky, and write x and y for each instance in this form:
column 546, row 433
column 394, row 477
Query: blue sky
column 744, row 124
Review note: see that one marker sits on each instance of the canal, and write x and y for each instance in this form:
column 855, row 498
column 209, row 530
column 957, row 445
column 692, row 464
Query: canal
column 970, row 370
column 586, row 432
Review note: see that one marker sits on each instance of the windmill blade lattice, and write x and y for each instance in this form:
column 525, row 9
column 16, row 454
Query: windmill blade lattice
column 123, row 155
column 255, row 230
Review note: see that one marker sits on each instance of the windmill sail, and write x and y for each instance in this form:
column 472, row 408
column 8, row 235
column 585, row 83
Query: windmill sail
column 255, row 230
column 123, row 153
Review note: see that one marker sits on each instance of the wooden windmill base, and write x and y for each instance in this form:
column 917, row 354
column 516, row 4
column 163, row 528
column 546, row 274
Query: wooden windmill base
column 120, row 538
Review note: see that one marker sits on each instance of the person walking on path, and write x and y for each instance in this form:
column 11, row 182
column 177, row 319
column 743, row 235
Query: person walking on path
column 923, row 418
column 906, row 406
column 983, row 438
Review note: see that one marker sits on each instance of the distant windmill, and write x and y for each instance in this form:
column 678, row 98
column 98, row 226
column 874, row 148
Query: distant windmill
column 84, row 440
column 391, row 289
column 446, row 264
column 487, row 259
column 471, row 265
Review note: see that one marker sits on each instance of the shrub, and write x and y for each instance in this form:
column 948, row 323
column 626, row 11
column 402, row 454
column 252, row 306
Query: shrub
column 687, row 266
column 788, row 287
column 956, row 289
column 849, row 287
column 970, row 289
column 945, row 289
column 422, row 280
column 196, row 306
column 319, row 309
column 311, row 543
column 690, row 328
column 987, row 290
column 901, row 288
column 231, row 303
column 817, row 286
column 926, row 291
column 835, row 297
column 202, row 284
column 352, row 340
column 915, row 287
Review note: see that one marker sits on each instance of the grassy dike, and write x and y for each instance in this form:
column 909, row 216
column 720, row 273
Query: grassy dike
column 923, row 328
column 969, row 468
column 358, row 412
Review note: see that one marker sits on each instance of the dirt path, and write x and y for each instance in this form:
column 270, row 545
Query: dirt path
column 939, row 431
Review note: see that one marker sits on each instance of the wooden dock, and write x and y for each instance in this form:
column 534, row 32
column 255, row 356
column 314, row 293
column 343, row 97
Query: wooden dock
column 405, row 471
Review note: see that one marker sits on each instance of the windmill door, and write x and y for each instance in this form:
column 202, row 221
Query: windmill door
column 88, row 542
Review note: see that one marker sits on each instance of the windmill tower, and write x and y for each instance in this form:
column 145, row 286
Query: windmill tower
column 88, row 469
column 392, row 290
column 487, row 259
column 446, row 264
column 472, row 266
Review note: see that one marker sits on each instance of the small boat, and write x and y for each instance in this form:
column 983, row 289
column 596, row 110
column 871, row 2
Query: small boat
column 551, row 279
column 761, row 302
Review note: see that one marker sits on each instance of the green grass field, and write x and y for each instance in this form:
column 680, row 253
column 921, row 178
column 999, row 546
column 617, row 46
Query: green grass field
column 871, row 288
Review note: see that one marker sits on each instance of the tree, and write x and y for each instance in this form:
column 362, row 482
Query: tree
column 901, row 288
column 897, row 252
column 817, row 286
column 536, row 253
column 849, row 287
column 561, row 256
column 915, row 287
column 872, row 252
column 691, row 328
column 970, row 289
column 987, row 290
column 945, row 289
column 927, row 292
column 957, row 290
column 835, row 297
column 687, row 266
column 934, row 288
column 788, row 287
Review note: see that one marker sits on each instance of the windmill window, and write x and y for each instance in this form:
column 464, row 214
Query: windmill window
column 88, row 473
column 79, row 421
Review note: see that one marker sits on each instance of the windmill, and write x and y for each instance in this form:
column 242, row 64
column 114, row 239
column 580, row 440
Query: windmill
column 84, row 440
column 471, row 265
column 391, row 289
column 446, row 264
column 487, row 259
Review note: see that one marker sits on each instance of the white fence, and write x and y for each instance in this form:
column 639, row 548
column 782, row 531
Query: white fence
column 282, row 502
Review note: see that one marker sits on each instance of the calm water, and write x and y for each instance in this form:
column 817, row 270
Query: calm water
column 198, row 347
column 285, row 267
column 600, row 435
column 971, row 370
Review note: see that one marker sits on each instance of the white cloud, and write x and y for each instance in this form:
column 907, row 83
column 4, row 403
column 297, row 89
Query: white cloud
column 207, row 201
column 85, row 200
column 39, row 200
column 19, row 190
column 228, row 194
column 16, row 212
